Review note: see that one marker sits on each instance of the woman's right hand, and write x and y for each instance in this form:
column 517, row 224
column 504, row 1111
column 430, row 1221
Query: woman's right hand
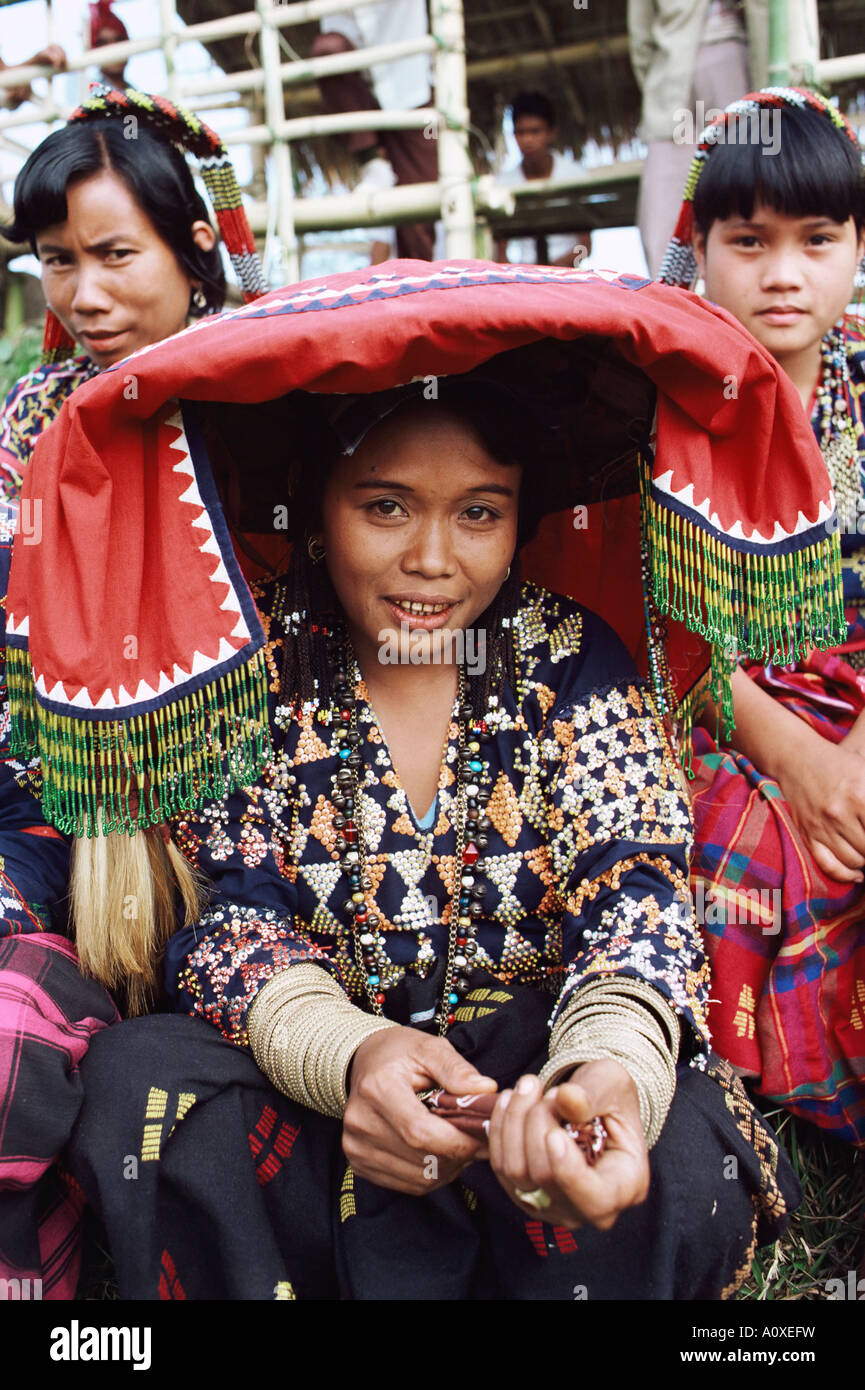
column 824, row 786
column 388, row 1135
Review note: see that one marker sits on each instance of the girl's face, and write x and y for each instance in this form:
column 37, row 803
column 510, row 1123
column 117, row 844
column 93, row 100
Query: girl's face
column 419, row 528
column 787, row 279
column 112, row 281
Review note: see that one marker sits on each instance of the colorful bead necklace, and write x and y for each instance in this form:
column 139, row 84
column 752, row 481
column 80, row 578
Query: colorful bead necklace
column 472, row 837
column 837, row 435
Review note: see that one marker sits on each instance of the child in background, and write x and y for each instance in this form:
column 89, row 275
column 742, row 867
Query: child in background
column 781, row 808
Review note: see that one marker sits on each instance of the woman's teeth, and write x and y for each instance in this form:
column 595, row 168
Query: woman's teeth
column 422, row 610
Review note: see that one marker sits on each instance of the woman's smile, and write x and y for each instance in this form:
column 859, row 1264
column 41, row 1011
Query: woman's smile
column 422, row 613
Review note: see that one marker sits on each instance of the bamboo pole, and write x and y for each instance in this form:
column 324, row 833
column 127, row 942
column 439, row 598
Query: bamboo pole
column 167, row 25
column 794, row 43
column 455, row 166
column 307, row 127
column 844, row 69
column 310, row 69
column 274, row 111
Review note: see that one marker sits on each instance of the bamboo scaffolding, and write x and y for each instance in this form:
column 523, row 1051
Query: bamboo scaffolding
column 274, row 110
column 454, row 164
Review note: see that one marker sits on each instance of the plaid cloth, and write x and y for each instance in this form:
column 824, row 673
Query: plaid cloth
column 788, row 978
column 48, row 1014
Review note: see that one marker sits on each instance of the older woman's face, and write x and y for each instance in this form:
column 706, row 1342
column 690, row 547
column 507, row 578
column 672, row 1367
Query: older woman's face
column 112, row 281
column 419, row 528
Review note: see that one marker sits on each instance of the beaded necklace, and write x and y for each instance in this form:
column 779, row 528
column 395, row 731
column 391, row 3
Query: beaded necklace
column 471, row 828
column 837, row 435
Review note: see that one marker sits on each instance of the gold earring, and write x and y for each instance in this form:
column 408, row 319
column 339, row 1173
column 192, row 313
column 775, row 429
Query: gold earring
column 507, row 575
column 315, row 550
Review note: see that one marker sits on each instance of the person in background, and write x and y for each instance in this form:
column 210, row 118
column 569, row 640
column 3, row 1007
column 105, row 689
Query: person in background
column 708, row 51
column 105, row 28
column 388, row 157
column 535, row 131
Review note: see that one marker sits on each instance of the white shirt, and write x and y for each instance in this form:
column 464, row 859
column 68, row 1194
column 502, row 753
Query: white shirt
column 522, row 250
column 405, row 83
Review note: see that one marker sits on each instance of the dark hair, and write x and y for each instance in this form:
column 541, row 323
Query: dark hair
column 511, row 434
column 154, row 171
column 533, row 104
column 815, row 171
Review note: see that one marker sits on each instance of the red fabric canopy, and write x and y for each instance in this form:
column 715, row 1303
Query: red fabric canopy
column 133, row 599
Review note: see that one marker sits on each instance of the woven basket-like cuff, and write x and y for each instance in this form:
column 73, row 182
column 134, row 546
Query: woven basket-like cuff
column 304, row 1031
column 624, row 1021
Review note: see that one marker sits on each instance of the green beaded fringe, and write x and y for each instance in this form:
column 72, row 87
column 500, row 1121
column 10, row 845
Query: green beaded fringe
column 770, row 608
column 145, row 769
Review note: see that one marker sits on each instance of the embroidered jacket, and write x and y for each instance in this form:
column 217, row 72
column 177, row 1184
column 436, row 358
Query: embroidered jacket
column 586, row 864
column 30, row 407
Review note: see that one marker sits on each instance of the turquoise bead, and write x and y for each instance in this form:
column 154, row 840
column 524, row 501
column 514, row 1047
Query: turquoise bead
column 453, row 999
column 476, row 765
column 344, row 752
column 374, row 979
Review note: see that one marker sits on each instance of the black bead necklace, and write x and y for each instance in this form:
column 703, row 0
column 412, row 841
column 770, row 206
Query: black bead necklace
column 471, row 825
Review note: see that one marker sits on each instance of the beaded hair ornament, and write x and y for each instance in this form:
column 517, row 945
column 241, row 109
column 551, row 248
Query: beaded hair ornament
column 679, row 266
column 182, row 128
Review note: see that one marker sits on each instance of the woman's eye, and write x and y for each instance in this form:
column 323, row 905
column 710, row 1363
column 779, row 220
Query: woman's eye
column 480, row 513
column 55, row 260
column 746, row 241
column 387, row 506
column 118, row 253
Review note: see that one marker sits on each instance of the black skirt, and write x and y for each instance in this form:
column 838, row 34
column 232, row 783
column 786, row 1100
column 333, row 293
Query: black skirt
column 213, row 1185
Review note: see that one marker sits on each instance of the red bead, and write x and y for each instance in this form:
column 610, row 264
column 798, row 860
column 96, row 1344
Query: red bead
column 361, row 916
column 471, row 853
column 349, row 832
column 345, row 716
column 379, row 998
column 451, row 1018
column 461, row 940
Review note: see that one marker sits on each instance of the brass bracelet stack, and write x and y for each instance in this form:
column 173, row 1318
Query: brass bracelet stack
column 303, row 1032
column 626, row 1021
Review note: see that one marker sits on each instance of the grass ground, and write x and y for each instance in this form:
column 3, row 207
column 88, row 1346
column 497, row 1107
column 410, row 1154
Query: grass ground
column 825, row 1240
column 826, row 1237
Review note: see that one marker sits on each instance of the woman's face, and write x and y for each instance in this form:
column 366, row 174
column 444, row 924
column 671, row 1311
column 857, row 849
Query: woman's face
column 419, row 528
column 787, row 279
column 112, row 281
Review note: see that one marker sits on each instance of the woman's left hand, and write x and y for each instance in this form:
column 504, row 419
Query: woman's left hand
column 530, row 1151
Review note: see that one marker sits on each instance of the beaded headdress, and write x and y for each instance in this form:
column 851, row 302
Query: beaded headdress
column 679, row 266
column 183, row 128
